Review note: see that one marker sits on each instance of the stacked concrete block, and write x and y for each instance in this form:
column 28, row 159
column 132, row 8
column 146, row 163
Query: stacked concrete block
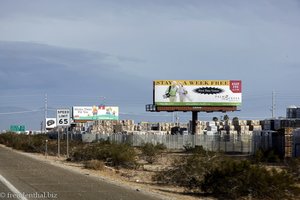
column 200, row 122
column 243, row 128
column 255, row 128
column 221, row 123
column 243, row 122
column 213, row 129
column 209, row 127
column 112, row 126
column 200, row 127
column 288, row 142
column 209, row 133
column 165, row 126
column 144, row 126
column 229, row 128
column 210, row 123
column 221, row 127
column 218, row 123
column 248, row 132
column 228, row 123
column 253, row 122
column 239, row 123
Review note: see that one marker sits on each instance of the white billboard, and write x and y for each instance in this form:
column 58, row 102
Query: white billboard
column 95, row 113
column 50, row 123
column 197, row 92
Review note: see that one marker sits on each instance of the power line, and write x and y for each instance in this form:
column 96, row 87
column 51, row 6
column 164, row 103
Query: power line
column 20, row 112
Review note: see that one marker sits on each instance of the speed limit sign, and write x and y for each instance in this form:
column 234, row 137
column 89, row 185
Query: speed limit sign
column 63, row 117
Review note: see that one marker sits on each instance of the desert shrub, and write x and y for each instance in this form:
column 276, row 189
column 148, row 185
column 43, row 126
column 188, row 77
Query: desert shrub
column 293, row 167
column 188, row 147
column 112, row 153
column 36, row 143
column 94, row 164
column 122, row 155
column 226, row 178
column 188, row 171
column 151, row 151
column 268, row 155
column 258, row 156
column 235, row 179
column 11, row 140
column 28, row 143
column 199, row 151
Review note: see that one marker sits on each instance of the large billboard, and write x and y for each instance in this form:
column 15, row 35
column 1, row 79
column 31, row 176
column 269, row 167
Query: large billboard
column 95, row 113
column 197, row 92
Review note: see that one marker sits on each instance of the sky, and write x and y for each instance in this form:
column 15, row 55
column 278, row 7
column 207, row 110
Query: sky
column 108, row 52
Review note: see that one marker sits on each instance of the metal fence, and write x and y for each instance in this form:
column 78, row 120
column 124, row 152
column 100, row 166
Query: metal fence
column 226, row 143
column 229, row 143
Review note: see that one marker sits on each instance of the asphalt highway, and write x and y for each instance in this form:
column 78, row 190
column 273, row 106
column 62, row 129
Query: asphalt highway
column 28, row 178
column 4, row 191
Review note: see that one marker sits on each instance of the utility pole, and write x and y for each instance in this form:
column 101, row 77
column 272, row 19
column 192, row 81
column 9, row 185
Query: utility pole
column 46, row 109
column 42, row 126
column 273, row 104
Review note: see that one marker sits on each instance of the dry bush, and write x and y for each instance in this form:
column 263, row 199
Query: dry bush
column 94, row 164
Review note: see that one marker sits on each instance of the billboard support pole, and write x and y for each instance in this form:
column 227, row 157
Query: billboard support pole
column 194, row 121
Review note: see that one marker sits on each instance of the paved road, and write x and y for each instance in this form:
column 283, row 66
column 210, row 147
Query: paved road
column 39, row 180
column 4, row 191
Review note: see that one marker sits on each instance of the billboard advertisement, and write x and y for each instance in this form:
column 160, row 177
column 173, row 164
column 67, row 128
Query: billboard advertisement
column 95, row 113
column 50, row 123
column 197, row 92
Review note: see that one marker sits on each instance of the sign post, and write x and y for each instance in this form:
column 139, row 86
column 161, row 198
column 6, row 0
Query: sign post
column 63, row 120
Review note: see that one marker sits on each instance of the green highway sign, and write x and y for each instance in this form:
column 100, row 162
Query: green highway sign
column 17, row 128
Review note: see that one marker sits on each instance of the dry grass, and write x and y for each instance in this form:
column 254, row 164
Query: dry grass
column 94, row 164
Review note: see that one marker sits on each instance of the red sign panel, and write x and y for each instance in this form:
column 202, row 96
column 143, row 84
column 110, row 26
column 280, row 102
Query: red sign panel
column 236, row 86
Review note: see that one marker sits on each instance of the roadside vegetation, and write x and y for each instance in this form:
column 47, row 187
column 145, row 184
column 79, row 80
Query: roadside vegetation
column 94, row 164
column 198, row 171
column 112, row 154
column 266, row 156
column 150, row 152
column 213, row 174
column 35, row 143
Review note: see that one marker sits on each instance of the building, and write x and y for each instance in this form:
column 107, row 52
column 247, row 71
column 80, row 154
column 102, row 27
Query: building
column 293, row 112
